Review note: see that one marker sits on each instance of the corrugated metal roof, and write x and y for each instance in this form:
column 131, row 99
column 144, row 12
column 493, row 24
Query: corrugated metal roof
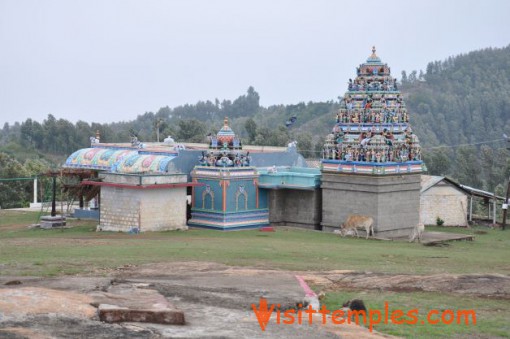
column 481, row 193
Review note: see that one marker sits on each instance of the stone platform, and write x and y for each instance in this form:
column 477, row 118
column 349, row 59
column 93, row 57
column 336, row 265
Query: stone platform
column 432, row 238
column 130, row 303
column 48, row 221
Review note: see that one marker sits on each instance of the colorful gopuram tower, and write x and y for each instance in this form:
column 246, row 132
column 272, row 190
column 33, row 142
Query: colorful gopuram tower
column 229, row 197
column 371, row 161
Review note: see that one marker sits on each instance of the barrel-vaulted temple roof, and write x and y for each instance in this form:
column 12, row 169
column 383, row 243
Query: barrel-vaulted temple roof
column 96, row 158
column 143, row 163
column 119, row 160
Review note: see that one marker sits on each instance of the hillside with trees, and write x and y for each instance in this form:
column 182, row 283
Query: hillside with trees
column 459, row 107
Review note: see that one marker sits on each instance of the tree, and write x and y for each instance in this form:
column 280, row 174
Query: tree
column 404, row 78
column 251, row 128
column 191, row 131
column 437, row 162
column 263, row 137
column 468, row 167
column 413, row 77
column 13, row 193
column 279, row 137
column 304, row 145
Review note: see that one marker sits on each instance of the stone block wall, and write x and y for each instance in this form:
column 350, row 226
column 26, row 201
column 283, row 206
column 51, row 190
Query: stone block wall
column 393, row 201
column 445, row 202
column 120, row 209
column 297, row 208
column 146, row 209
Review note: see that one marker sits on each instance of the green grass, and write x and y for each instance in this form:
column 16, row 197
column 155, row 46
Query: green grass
column 12, row 218
column 81, row 250
column 491, row 315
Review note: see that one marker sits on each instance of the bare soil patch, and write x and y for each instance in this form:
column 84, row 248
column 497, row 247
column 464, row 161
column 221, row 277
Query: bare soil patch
column 495, row 286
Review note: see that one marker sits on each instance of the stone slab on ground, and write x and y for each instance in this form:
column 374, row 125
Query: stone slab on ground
column 129, row 303
column 432, row 238
column 23, row 301
column 207, row 283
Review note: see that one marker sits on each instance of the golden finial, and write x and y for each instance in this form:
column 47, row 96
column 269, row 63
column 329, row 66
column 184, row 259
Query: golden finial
column 225, row 121
column 373, row 56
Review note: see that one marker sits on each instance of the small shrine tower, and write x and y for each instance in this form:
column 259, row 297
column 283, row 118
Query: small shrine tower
column 371, row 161
column 229, row 197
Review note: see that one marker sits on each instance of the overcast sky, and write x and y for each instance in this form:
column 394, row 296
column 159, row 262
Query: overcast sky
column 108, row 61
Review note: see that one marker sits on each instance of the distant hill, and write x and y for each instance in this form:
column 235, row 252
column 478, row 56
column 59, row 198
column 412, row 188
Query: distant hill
column 463, row 100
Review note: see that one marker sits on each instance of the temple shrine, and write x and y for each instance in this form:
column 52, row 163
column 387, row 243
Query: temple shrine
column 371, row 160
column 229, row 197
column 150, row 187
column 371, row 165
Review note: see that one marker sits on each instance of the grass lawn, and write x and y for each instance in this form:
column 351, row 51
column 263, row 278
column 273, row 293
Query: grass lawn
column 491, row 315
column 81, row 249
column 37, row 252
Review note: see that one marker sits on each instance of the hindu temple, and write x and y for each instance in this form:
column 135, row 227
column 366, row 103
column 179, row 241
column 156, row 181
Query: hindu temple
column 229, row 196
column 152, row 186
column 371, row 160
column 371, row 165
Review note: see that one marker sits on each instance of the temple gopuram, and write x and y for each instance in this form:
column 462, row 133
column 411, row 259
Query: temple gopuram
column 228, row 196
column 371, row 160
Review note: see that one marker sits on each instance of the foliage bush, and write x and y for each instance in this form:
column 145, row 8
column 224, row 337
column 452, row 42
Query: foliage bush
column 439, row 221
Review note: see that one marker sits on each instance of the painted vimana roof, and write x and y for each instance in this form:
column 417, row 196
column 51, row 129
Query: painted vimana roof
column 225, row 150
column 97, row 158
column 143, row 163
column 225, row 134
column 372, row 125
column 120, row 160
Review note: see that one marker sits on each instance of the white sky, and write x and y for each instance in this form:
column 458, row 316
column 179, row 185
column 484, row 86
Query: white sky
column 110, row 60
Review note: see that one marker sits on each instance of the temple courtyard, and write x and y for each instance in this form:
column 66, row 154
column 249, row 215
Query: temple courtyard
column 52, row 281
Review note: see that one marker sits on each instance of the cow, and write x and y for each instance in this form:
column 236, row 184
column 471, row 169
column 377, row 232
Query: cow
column 417, row 232
column 354, row 222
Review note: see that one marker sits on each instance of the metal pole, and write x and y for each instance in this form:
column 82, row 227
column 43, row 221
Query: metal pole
column 53, row 205
column 471, row 208
column 494, row 206
column 35, row 190
column 506, row 209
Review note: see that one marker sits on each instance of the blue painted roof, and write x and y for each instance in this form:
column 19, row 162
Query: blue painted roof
column 289, row 177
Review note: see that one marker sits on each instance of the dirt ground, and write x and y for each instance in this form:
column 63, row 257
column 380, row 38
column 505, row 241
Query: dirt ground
column 216, row 300
column 495, row 286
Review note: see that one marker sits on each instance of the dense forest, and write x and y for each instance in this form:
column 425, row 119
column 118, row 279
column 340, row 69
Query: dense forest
column 459, row 107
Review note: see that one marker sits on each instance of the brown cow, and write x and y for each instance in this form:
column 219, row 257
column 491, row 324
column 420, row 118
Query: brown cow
column 354, row 222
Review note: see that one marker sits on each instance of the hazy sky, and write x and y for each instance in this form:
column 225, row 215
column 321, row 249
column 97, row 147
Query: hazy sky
column 112, row 60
